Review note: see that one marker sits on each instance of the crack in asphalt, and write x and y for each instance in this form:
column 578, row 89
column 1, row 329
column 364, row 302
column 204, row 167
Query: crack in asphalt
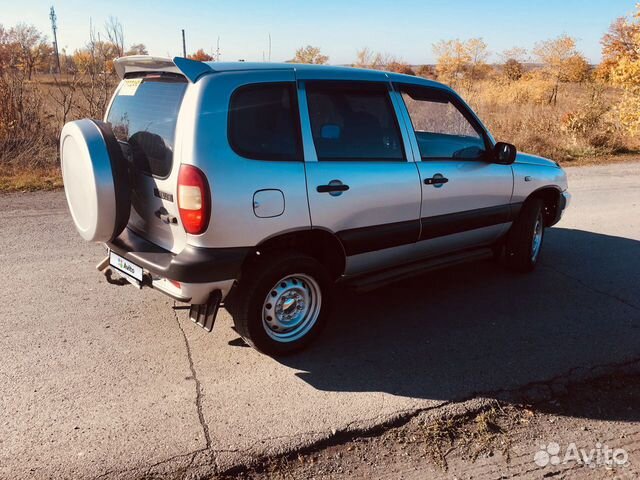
column 348, row 433
column 593, row 289
column 194, row 377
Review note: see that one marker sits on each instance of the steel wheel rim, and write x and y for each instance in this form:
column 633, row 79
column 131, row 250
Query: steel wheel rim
column 291, row 308
column 537, row 238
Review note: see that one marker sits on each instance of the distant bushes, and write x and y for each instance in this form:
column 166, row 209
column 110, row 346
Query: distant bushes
column 28, row 137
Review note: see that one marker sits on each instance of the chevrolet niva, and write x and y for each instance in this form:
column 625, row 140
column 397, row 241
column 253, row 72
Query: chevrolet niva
column 259, row 186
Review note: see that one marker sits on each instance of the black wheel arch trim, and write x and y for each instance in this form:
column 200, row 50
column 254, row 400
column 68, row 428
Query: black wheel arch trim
column 561, row 202
column 321, row 243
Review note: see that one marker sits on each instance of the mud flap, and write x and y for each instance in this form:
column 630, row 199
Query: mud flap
column 204, row 314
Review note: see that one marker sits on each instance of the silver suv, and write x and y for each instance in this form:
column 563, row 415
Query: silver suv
column 258, row 186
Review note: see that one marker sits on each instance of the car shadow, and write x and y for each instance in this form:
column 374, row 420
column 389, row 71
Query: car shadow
column 479, row 329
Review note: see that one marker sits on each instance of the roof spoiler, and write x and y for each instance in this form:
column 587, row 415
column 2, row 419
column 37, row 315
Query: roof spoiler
column 192, row 69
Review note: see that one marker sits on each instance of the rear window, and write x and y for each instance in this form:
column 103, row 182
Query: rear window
column 264, row 122
column 143, row 118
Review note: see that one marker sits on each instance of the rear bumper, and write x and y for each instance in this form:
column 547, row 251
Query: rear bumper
column 199, row 270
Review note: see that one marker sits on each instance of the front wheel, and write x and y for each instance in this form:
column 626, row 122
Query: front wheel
column 524, row 240
column 281, row 303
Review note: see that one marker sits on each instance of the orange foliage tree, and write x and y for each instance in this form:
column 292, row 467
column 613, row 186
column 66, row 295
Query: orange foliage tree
column 200, row 56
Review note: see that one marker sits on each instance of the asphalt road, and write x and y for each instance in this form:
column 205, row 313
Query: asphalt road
column 98, row 380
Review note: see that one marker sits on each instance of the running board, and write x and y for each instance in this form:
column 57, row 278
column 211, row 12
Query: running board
column 371, row 281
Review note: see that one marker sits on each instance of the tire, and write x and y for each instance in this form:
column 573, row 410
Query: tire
column 96, row 179
column 524, row 240
column 267, row 289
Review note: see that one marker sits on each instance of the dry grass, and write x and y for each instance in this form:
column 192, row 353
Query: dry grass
column 23, row 180
column 581, row 128
column 474, row 434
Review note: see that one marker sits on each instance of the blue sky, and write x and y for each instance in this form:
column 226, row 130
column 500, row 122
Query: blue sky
column 405, row 28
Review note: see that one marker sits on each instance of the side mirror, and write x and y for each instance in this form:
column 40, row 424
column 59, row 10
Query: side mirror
column 504, row 153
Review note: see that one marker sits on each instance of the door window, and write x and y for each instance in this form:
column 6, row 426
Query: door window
column 353, row 121
column 264, row 122
column 442, row 130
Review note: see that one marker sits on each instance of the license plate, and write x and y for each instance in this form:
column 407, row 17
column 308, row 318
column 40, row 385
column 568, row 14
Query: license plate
column 125, row 267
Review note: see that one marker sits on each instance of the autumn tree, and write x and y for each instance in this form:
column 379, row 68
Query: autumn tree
column 452, row 59
column 29, row 46
column 513, row 63
column 479, row 54
column 309, row 54
column 577, row 69
column 457, row 59
column 426, row 71
column 621, row 59
column 621, row 41
column 137, row 49
column 561, row 61
column 366, row 58
column 200, row 56
column 397, row 66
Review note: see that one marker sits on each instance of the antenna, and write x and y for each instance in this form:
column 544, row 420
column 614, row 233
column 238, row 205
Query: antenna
column 54, row 28
column 269, row 57
column 218, row 50
column 184, row 45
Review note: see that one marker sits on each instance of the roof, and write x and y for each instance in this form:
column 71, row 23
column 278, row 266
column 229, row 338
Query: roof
column 193, row 70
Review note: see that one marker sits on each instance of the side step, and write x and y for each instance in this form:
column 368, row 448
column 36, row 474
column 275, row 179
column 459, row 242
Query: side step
column 204, row 314
column 371, row 281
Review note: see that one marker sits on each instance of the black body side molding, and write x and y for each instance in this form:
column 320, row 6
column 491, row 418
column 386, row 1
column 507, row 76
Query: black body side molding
column 377, row 237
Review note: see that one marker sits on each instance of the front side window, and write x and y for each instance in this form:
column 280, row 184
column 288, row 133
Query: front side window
column 264, row 123
column 143, row 118
column 353, row 121
column 441, row 129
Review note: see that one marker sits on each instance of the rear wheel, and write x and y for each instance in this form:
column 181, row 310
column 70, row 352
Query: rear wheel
column 281, row 303
column 524, row 241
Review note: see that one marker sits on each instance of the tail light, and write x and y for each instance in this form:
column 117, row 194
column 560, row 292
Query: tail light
column 194, row 200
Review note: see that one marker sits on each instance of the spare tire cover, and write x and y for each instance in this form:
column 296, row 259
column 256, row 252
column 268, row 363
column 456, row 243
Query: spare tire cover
column 96, row 179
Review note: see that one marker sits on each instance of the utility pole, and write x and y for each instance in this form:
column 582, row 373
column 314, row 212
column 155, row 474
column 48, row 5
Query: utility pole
column 54, row 27
column 184, row 45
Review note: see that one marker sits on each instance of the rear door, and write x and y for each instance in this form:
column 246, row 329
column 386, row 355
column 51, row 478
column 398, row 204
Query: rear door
column 361, row 183
column 143, row 116
column 465, row 197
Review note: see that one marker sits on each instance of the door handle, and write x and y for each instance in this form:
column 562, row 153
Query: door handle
column 436, row 180
column 334, row 188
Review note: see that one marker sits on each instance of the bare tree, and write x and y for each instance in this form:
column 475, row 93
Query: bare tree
column 65, row 96
column 115, row 34
column 138, row 49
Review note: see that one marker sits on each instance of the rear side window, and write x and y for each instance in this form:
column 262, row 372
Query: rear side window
column 143, row 118
column 353, row 121
column 264, row 122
